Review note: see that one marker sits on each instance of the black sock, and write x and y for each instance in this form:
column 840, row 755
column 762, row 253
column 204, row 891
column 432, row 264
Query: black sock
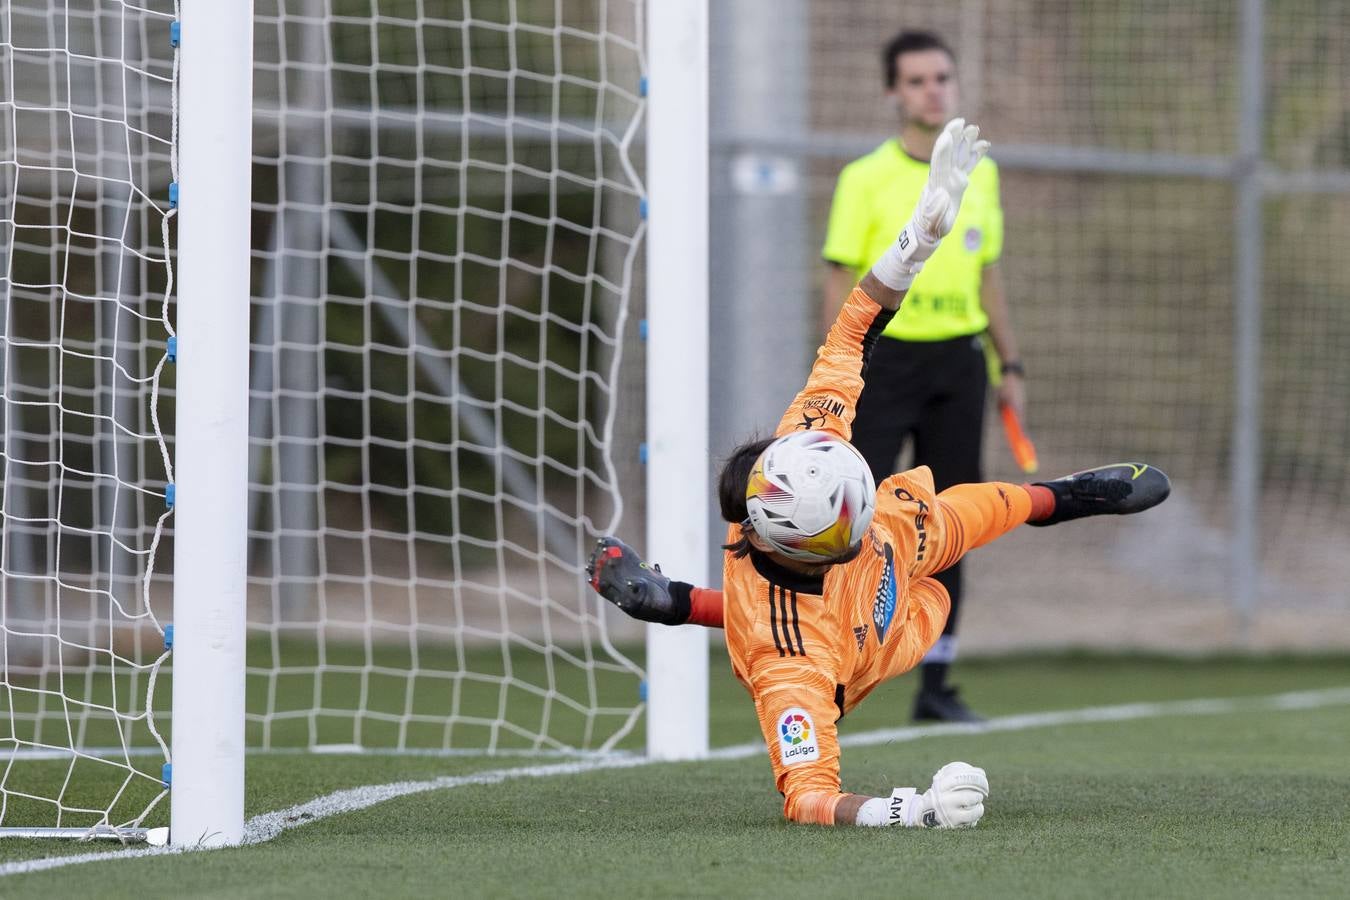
column 934, row 677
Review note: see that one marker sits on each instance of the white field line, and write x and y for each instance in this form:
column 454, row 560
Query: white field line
column 265, row 827
column 65, row 753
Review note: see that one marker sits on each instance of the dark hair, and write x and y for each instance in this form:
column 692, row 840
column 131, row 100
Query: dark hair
column 909, row 42
column 731, row 484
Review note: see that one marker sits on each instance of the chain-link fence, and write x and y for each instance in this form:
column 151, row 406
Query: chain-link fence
column 1176, row 185
column 1164, row 168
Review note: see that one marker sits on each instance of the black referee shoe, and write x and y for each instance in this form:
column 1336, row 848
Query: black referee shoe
column 1114, row 490
column 942, row 705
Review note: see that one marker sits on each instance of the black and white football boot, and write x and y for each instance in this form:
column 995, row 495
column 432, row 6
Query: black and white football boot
column 1115, row 490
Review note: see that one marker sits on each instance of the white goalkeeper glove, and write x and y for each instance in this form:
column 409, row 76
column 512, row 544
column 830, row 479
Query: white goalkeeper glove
column 956, row 800
column 955, row 154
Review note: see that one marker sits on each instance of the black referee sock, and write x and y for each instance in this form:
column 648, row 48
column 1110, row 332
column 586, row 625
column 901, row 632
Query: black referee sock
column 933, row 677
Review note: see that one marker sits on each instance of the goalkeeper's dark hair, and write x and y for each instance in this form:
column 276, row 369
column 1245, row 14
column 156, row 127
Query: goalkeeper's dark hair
column 909, row 42
column 731, row 485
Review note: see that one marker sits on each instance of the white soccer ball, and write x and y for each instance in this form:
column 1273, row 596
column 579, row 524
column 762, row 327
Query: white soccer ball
column 811, row 496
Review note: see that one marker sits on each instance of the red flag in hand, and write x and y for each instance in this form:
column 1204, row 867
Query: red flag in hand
column 1023, row 451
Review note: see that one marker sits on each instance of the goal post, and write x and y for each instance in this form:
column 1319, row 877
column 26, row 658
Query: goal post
column 211, row 492
column 678, row 483
column 379, row 498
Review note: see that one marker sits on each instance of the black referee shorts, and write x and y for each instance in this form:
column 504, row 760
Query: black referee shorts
column 930, row 392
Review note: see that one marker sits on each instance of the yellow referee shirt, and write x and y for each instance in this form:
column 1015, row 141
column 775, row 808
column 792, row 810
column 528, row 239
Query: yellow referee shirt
column 874, row 198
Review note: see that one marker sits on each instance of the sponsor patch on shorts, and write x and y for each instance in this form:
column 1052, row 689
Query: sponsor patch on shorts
column 797, row 742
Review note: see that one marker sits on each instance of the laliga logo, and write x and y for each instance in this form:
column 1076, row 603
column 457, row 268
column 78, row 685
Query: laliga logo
column 795, row 728
column 797, row 738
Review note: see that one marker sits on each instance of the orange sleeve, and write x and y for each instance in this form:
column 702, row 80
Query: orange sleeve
column 797, row 714
column 790, row 661
column 830, row 398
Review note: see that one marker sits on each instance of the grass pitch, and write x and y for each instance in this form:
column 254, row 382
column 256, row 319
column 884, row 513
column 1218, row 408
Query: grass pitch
column 1240, row 804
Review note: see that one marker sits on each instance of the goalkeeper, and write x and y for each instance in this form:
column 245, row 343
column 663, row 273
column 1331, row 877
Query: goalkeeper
column 828, row 580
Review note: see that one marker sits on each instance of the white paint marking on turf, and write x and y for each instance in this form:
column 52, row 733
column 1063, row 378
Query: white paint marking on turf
column 27, row 867
column 265, row 827
column 1120, row 713
column 268, row 825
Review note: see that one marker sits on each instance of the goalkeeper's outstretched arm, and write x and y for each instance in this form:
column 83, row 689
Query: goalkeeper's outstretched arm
column 955, row 154
column 829, row 400
column 954, row 800
column 797, row 713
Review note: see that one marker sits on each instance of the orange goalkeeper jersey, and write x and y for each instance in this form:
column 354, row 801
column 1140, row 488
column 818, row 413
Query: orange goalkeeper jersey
column 810, row 648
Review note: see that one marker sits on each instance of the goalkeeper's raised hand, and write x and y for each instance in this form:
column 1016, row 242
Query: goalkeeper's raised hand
column 956, row 800
column 955, row 154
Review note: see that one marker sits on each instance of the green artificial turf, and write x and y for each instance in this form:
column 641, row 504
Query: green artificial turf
column 1239, row 804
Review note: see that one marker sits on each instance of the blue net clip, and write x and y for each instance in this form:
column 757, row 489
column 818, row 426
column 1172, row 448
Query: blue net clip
column 642, row 329
column 173, row 195
column 642, row 691
column 175, row 33
column 168, row 637
column 170, row 492
column 642, row 86
column 173, row 349
column 642, row 208
column 166, row 774
column 642, row 453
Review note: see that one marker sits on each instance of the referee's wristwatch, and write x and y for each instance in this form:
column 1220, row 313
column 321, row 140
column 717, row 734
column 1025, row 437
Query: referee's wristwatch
column 1014, row 367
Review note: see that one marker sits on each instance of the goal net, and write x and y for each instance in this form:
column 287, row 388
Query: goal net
column 447, row 214
column 86, row 168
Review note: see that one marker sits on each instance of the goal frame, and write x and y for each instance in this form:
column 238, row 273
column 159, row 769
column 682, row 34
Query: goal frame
column 210, row 350
column 211, row 497
column 678, row 480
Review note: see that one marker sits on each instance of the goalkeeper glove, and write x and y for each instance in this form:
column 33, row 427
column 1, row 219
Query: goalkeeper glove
column 956, row 800
column 955, row 154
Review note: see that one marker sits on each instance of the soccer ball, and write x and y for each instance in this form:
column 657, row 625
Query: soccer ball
column 811, row 496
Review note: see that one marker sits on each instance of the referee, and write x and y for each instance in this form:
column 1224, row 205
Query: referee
column 927, row 378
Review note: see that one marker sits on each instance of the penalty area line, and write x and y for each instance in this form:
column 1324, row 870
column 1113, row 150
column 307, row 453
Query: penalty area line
column 267, row 826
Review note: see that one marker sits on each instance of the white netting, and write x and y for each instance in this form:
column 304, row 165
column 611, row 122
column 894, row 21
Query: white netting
column 447, row 216
column 85, row 170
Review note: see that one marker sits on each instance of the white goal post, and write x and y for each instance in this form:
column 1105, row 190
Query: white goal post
column 678, row 483
column 211, row 504
column 393, row 344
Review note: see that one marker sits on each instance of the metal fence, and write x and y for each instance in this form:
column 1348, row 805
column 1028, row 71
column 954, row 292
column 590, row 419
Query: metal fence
column 1176, row 186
